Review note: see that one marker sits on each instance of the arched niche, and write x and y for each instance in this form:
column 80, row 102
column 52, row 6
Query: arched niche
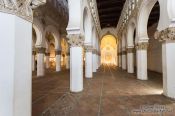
column 109, row 46
column 52, row 30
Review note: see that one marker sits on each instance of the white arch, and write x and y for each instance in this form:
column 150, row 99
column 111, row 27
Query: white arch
column 87, row 26
column 55, row 34
column 124, row 40
column 130, row 32
column 142, row 19
column 38, row 27
column 110, row 30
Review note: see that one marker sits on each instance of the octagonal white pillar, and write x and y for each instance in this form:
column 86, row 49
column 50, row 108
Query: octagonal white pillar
column 130, row 60
column 142, row 73
column 40, row 62
column 58, row 60
column 15, row 66
column 88, row 62
column 47, row 55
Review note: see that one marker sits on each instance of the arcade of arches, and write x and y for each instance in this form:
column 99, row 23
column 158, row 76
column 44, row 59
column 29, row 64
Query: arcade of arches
column 87, row 57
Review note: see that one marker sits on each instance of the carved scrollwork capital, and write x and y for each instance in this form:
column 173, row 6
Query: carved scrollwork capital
column 88, row 48
column 142, row 46
column 33, row 52
column 123, row 52
column 47, row 54
column 76, row 40
column 165, row 35
column 68, row 53
column 57, row 52
column 41, row 50
column 130, row 50
column 21, row 8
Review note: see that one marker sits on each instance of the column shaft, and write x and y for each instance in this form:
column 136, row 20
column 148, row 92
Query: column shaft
column 33, row 62
column 47, row 55
column 15, row 66
column 168, row 69
column 68, row 61
column 130, row 60
column 58, row 60
column 88, row 65
column 40, row 64
column 76, row 69
column 94, row 63
column 124, row 60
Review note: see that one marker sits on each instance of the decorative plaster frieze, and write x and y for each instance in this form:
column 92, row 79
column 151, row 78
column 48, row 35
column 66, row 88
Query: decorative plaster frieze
column 41, row 50
column 142, row 46
column 21, row 8
column 94, row 11
column 165, row 35
column 76, row 40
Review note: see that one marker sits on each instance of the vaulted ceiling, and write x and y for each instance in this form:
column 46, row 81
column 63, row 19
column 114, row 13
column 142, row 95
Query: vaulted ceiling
column 110, row 11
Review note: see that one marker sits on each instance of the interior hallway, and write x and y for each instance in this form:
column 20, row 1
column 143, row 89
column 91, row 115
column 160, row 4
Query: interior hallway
column 111, row 92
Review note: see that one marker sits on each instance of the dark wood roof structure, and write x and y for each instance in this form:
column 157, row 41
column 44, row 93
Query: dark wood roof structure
column 110, row 11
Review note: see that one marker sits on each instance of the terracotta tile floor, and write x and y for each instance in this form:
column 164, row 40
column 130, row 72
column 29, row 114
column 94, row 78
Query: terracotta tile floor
column 111, row 92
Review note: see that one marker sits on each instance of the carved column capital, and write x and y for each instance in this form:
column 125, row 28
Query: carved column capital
column 40, row 50
column 165, row 35
column 21, row 8
column 142, row 46
column 76, row 40
column 123, row 52
column 33, row 52
column 68, row 53
column 88, row 48
column 130, row 50
column 94, row 51
column 57, row 52
column 47, row 54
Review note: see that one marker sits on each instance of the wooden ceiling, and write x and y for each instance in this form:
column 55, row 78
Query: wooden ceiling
column 110, row 11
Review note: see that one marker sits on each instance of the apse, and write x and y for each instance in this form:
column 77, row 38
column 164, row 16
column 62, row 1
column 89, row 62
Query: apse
column 109, row 50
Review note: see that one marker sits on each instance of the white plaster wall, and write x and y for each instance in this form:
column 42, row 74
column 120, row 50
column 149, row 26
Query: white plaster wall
column 154, row 51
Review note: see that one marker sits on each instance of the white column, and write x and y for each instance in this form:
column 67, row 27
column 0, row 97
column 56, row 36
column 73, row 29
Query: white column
column 99, row 59
column 88, row 63
column 47, row 55
column 120, row 59
column 130, row 60
column 33, row 60
column 94, row 61
column 76, row 69
column 68, row 61
column 142, row 61
column 40, row 62
column 15, row 66
column 58, row 60
column 124, row 60
column 168, row 56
